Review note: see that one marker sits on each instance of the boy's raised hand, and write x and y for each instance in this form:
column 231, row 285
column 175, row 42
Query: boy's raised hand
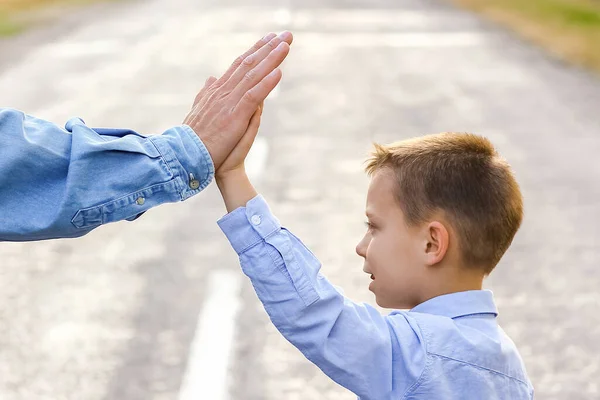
column 233, row 183
column 234, row 163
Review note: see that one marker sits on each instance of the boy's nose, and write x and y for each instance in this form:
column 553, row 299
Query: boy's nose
column 359, row 249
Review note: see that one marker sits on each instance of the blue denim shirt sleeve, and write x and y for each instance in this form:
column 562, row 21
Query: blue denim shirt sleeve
column 349, row 342
column 57, row 183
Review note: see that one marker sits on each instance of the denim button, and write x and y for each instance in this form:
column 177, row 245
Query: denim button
column 255, row 219
column 140, row 201
column 194, row 184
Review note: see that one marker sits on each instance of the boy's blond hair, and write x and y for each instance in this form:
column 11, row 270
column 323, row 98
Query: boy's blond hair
column 461, row 175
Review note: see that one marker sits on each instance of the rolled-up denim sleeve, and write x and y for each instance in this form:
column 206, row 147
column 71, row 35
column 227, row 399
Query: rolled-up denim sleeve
column 348, row 341
column 60, row 183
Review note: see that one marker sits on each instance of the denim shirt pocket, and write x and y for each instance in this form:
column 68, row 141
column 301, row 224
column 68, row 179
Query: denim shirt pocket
column 128, row 207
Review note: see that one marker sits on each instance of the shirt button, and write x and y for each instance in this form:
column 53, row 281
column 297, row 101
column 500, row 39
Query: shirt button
column 140, row 201
column 255, row 220
column 194, row 184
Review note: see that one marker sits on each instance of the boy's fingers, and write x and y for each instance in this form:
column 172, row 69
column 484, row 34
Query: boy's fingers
column 252, row 131
column 238, row 61
column 254, row 97
column 259, row 109
column 248, row 70
column 254, row 122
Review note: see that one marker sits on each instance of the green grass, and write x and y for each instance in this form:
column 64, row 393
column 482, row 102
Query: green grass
column 8, row 27
column 570, row 13
column 568, row 28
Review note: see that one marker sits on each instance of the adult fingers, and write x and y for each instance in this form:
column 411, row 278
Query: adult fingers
column 202, row 92
column 257, row 95
column 262, row 70
column 240, row 59
column 253, row 60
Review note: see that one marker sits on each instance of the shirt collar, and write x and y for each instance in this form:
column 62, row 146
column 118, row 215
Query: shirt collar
column 459, row 304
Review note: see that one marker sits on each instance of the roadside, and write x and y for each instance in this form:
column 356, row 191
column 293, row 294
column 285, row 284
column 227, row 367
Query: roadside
column 46, row 21
column 569, row 29
column 18, row 15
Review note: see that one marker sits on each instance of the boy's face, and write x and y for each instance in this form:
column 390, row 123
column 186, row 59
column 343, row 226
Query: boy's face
column 393, row 252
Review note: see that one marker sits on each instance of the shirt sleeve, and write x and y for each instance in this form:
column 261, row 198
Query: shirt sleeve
column 60, row 183
column 352, row 343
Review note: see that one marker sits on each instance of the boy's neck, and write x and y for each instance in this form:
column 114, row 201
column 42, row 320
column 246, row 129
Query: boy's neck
column 451, row 280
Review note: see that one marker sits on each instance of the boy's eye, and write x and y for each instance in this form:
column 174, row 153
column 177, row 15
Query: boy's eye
column 369, row 225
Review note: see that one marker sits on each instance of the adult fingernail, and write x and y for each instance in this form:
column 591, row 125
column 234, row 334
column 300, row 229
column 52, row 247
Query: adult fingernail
column 283, row 35
column 269, row 36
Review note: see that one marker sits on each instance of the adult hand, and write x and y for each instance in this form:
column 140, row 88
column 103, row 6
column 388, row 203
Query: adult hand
column 222, row 110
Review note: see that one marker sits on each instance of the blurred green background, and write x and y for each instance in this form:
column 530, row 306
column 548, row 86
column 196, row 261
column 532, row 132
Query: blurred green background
column 570, row 29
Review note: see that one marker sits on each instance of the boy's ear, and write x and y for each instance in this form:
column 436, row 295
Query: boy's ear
column 437, row 242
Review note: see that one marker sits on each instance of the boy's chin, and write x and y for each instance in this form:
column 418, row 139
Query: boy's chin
column 383, row 303
column 380, row 302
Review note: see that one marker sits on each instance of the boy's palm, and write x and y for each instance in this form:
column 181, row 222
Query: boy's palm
column 236, row 158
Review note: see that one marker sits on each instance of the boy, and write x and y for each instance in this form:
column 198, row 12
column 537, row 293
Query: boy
column 442, row 210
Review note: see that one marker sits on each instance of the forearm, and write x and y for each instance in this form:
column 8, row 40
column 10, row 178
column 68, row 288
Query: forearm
column 236, row 188
column 343, row 338
column 57, row 183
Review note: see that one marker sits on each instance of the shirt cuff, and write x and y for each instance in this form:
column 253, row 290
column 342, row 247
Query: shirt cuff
column 249, row 225
column 187, row 158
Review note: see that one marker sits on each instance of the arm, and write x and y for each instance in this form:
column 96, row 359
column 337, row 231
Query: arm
column 350, row 342
column 375, row 357
column 65, row 182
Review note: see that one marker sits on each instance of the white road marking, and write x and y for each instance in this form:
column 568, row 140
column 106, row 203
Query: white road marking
column 316, row 39
column 418, row 39
column 210, row 353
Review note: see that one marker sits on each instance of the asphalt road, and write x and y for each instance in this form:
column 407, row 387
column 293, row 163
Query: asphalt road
column 157, row 309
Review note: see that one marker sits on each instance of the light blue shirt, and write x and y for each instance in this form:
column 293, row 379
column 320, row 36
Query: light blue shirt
column 449, row 347
column 58, row 182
